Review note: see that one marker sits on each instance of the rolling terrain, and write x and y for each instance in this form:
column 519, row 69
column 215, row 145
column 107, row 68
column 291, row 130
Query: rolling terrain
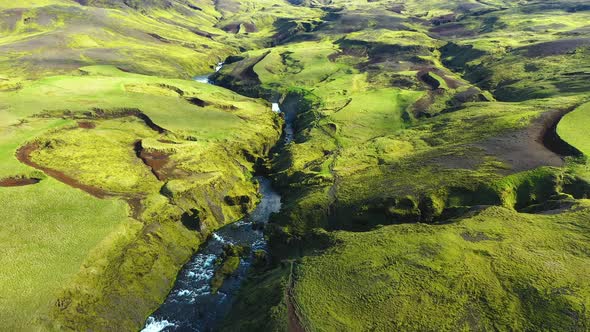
column 437, row 177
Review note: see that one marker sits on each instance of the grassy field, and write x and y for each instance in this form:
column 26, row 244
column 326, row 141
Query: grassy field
column 40, row 38
column 498, row 270
column 387, row 117
column 572, row 128
column 51, row 230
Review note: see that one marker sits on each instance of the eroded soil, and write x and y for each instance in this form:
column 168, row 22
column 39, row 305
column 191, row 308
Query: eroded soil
column 18, row 182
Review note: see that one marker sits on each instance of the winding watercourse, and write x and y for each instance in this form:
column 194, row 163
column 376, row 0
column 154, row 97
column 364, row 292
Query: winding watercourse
column 192, row 305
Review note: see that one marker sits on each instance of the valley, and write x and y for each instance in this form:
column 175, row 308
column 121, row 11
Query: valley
column 419, row 165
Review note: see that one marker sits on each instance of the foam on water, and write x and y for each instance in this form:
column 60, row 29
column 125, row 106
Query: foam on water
column 202, row 79
column 220, row 239
column 191, row 305
column 206, row 78
column 153, row 325
column 276, row 108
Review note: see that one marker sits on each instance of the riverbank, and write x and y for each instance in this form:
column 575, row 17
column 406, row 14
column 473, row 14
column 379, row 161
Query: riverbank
column 200, row 299
column 193, row 304
column 181, row 183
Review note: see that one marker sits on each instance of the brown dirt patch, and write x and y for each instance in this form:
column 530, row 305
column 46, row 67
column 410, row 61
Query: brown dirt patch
column 18, row 182
column 157, row 161
column 194, row 30
column 136, row 207
column 250, row 27
column 444, row 19
column 434, row 84
column 86, row 125
column 232, row 28
column 10, row 18
column 452, row 29
column 525, row 149
column 396, row 8
column 454, row 161
column 470, row 95
column 421, row 107
column 357, row 52
column 357, row 20
column 451, row 82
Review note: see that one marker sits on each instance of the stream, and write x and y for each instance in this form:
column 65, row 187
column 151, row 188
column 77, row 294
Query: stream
column 191, row 306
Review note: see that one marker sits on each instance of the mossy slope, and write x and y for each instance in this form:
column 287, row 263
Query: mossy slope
column 499, row 270
column 176, row 151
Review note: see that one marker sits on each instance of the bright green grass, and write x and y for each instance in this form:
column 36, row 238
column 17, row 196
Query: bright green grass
column 373, row 113
column 499, row 270
column 360, row 150
column 77, row 152
column 359, row 145
column 158, row 38
column 360, row 110
column 573, row 128
column 402, row 38
column 304, row 64
column 50, row 231
column 78, row 94
column 362, row 143
column 32, row 3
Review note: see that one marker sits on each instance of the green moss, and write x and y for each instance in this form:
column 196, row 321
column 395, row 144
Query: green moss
column 261, row 304
column 51, row 231
column 225, row 270
column 392, row 126
column 380, row 146
column 500, row 270
column 524, row 189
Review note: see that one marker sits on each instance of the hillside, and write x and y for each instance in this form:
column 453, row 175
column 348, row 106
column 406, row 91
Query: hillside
column 431, row 158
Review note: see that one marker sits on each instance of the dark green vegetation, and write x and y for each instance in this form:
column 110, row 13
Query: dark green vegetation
column 429, row 186
column 228, row 264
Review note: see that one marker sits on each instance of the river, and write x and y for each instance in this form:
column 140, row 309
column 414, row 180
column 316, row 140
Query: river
column 191, row 306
